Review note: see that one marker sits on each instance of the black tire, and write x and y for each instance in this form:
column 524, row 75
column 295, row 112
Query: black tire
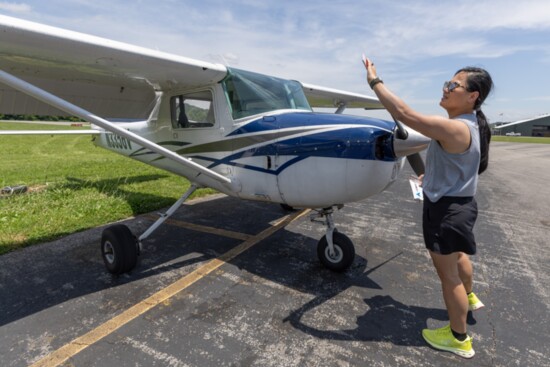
column 119, row 249
column 344, row 252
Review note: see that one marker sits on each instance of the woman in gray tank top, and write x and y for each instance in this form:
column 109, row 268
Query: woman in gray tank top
column 456, row 156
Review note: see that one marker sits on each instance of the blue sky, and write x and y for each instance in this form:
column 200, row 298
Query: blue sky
column 416, row 45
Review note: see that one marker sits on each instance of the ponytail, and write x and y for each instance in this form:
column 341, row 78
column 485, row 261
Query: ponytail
column 479, row 80
column 484, row 140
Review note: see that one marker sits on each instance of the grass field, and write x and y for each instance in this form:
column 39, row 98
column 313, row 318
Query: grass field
column 74, row 186
column 521, row 139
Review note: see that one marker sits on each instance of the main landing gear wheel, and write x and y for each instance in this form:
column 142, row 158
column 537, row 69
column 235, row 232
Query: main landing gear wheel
column 119, row 249
column 343, row 255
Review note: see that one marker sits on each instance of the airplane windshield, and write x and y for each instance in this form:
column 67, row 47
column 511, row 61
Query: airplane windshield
column 250, row 93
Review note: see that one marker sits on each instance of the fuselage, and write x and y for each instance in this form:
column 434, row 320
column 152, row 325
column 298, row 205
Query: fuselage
column 303, row 159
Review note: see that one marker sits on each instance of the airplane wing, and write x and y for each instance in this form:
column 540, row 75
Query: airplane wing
column 328, row 97
column 111, row 79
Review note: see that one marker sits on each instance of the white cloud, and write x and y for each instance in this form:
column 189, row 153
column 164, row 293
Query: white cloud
column 539, row 98
column 529, row 14
column 427, row 29
column 15, row 7
column 473, row 15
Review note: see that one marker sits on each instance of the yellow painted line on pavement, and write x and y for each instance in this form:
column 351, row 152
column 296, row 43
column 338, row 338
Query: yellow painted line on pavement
column 74, row 347
column 206, row 229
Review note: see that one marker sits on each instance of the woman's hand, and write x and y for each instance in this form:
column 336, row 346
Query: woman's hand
column 371, row 70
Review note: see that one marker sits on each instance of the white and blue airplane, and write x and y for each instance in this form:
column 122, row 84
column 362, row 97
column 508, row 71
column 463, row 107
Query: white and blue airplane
column 245, row 134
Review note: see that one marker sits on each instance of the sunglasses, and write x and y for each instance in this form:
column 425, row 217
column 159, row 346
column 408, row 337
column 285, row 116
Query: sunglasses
column 450, row 86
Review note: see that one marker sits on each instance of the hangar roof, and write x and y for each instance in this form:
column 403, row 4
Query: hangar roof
column 522, row 121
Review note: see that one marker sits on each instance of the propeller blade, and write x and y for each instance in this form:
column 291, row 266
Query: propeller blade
column 417, row 164
column 415, row 144
column 401, row 132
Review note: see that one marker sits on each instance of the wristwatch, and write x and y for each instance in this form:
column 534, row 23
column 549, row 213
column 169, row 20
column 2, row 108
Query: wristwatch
column 375, row 81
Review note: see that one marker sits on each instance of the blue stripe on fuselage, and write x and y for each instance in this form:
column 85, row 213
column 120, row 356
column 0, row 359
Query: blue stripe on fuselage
column 372, row 141
column 304, row 119
column 350, row 143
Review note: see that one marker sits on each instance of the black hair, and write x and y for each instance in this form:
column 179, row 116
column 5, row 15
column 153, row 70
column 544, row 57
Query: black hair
column 479, row 80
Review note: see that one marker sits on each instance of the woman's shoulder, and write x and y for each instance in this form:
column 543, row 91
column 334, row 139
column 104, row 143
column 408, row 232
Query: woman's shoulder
column 467, row 117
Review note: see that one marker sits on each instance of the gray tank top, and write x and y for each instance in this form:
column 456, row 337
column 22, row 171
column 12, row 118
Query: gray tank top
column 449, row 174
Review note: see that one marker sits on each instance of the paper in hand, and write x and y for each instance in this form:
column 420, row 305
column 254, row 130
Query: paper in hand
column 416, row 189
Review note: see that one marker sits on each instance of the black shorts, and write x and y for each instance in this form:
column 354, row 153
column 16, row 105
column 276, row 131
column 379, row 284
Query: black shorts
column 448, row 225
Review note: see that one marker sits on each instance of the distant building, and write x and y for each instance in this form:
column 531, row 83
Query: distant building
column 537, row 126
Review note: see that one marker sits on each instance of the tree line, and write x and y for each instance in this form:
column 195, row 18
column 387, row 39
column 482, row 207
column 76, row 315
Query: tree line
column 39, row 118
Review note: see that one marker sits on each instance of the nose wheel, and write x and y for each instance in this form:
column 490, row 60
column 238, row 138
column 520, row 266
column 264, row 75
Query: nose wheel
column 335, row 250
column 342, row 255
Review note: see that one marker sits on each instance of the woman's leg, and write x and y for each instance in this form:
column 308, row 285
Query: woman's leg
column 465, row 271
column 454, row 293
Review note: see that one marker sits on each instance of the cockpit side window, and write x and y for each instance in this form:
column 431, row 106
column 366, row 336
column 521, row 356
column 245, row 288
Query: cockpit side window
column 192, row 110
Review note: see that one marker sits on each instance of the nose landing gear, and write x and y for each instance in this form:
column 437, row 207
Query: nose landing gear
column 335, row 250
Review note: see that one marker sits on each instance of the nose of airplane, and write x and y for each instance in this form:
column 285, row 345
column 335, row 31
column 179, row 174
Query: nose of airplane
column 407, row 142
column 413, row 143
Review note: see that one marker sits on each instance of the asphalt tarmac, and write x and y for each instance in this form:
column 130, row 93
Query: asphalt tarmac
column 237, row 283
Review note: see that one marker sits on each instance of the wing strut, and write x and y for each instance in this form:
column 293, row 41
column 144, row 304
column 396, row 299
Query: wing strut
column 61, row 104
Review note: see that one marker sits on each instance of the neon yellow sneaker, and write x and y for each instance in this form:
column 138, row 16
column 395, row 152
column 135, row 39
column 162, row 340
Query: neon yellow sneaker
column 443, row 339
column 474, row 303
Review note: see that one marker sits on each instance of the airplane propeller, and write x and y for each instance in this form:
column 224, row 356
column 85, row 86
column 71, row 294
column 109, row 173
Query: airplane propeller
column 414, row 159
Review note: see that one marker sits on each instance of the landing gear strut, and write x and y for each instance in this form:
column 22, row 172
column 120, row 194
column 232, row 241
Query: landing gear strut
column 120, row 248
column 335, row 250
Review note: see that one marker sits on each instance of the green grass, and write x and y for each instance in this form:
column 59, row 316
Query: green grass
column 74, row 186
column 520, row 139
